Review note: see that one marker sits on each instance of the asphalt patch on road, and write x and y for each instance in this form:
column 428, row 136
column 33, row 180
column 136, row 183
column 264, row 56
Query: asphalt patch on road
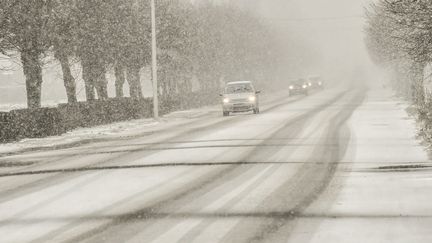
column 144, row 166
column 401, row 168
column 7, row 164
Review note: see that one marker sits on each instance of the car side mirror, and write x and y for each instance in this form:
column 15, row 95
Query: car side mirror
column 258, row 92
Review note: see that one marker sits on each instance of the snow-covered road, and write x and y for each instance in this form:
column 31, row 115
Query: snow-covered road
column 306, row 169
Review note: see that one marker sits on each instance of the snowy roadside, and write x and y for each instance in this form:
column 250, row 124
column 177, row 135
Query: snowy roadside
column 423, row 126
column 383, row 182
column 118, row 129
column 122, row 129
column 384, row 132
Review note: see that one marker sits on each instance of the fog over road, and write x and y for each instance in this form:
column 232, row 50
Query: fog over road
column 271, row 177
column 328, row 33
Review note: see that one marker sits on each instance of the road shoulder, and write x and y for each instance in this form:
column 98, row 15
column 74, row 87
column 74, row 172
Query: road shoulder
column 382, row 189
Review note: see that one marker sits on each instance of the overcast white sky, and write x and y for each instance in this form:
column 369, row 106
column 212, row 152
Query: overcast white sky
column 333, row 27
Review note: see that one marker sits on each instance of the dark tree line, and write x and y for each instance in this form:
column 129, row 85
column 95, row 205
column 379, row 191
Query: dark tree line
column 203, row 41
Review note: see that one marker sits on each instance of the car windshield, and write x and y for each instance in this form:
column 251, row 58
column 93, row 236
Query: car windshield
column 315, row 79
column 239, row 88
column 298, row 82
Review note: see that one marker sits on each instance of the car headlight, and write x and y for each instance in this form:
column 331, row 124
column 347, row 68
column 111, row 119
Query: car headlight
column 304, row 86
column 319, row 83
column 252, row 98
column 291, row 87
column 226, row 100
column 309, row 84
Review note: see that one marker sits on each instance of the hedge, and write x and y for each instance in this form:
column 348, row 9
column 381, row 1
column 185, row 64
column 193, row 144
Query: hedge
column 43, row 122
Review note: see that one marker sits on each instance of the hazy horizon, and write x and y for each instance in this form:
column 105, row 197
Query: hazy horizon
column 329, row 35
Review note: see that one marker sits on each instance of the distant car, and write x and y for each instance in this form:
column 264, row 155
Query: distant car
column 315, row 82
column 240, row 96
column 299, row 87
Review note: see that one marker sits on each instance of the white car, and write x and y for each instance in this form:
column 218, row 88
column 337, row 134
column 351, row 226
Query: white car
column 240, row 96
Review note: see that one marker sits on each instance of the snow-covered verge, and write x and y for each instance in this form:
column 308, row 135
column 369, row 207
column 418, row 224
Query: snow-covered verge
column 423, row 117
column 383, row 188
column 384, row 132
column 118, row 129
column 125, row 128
column 53, row 121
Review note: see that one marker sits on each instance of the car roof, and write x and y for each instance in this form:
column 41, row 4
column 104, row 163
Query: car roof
column 239, row 82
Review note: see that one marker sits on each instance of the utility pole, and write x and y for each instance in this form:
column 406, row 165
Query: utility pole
column 154, row 62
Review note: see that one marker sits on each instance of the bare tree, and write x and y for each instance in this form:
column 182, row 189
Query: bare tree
column 399, row 37
column 24, row 29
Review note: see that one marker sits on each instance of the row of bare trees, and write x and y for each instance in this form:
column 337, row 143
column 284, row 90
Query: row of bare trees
column 205, row 41
column 399, row 37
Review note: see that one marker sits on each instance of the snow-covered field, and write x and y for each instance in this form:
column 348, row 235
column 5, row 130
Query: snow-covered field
column 9, row 107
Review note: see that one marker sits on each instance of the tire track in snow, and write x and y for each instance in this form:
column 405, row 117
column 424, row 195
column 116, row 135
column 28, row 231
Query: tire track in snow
column 186, row 196
column 302, row 189
column 243, row 117
column 189, row 132
column 42, row 183
column 222, row 187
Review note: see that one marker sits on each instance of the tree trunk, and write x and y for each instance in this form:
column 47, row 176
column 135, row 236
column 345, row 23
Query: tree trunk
column 68, row 79
column 418, row 72
column 120, row 79
column 133, row 78
column 33, row 73
column 101, row 82
column 88, row 79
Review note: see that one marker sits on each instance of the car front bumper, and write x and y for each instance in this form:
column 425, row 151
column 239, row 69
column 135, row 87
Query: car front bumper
column 298, row 91
column 239, row 107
